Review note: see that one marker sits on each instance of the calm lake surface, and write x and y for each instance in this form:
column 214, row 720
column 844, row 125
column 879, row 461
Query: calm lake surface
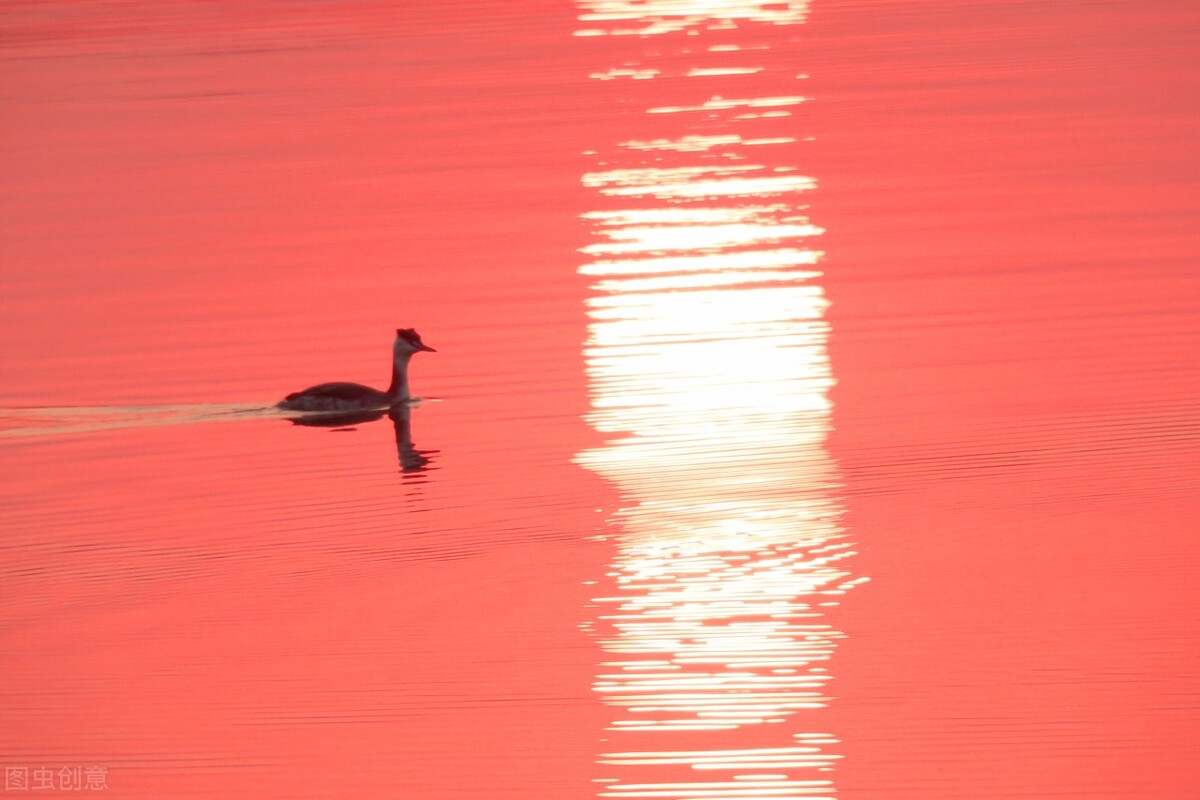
column 814, row 412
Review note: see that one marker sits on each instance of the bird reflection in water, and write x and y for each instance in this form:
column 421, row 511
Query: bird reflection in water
column 342, row 405
column 412, row 459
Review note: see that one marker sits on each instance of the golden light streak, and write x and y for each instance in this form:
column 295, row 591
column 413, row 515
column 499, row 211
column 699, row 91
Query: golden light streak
column 684, row 216
column 708, row 369
column 721, row 565
column 702, row 72
column 698, row 182
column 658, row 17
column 750, row 259
column 697, row 237
column 808, row 790
column 721, row 104
column 635, row 74
column 726, row 277
column 691, row 143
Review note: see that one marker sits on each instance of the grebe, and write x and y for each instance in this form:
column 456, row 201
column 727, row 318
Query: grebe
column 356, row 397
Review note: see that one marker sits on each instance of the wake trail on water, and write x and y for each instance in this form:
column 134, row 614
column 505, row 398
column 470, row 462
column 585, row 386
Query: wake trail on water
column 25, row 422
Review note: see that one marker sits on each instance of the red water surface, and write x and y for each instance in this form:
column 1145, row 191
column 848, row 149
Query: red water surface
column 213, row 203
column 1009, row 197
column 223, row 204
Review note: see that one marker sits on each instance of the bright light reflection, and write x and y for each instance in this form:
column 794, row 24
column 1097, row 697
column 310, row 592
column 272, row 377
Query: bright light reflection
column 636, row 74
column 808, row 755
column 708, row 370
column 717, row 400
column 686, row 143
column 701, row 72
column 726, row 277
column 696, row 237
column 656, row 17
column 721, row 104
column 751, row 259
column 696, row 182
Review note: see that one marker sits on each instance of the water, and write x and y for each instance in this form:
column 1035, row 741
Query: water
column 813, row 416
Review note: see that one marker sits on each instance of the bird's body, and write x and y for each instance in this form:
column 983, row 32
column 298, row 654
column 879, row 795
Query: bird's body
column 338, row 396
column 344, row 396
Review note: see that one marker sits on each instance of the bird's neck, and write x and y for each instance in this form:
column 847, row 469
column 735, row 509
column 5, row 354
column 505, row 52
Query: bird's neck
column 398, row 390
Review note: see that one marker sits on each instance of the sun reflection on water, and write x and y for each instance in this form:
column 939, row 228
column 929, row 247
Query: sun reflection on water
column 708, row 368
column 655, row 17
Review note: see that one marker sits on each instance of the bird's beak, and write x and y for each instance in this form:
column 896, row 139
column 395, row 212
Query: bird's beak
column 427, row 348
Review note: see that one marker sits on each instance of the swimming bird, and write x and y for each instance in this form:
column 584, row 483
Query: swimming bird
column 341, row 396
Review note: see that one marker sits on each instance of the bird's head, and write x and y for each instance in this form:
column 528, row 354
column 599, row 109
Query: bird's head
column 408, row 341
